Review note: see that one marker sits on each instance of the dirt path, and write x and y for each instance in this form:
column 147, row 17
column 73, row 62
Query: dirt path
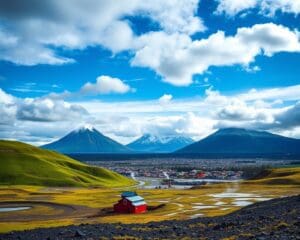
column 41, row 210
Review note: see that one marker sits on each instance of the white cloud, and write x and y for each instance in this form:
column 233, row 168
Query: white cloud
column 270, row 7
column 48, row 110
column 289, row 118
column 252, row 69
column 5, row 98
column 237, row 110
column 164, row 99
column 41, row 120
column 42, row 109
column 7, row 108
column 290, row 93
column 105, row 85
column 30, row 31
column 177, row 58
column 232, row 7
column 266, row 7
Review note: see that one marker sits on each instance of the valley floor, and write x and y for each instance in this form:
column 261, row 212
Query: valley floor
column 51, row 207
column 28, row 207
column 273, row 219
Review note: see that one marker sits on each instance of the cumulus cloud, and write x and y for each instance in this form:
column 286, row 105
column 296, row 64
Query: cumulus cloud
column 290, row 93
column 266, row 7
column 106, row 85
column 177, row 57
column 35, row 120
column 195, row 117
column 7, row 108
column 289, row 118
column 30, row 31
column 232, row 7
column 237, row 110
column 275, row 109
column 33, row 33
column 45, row 109
column 41, row 109
column 164, row 99
column 6, row 98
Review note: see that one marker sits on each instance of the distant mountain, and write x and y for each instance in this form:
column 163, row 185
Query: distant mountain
column 243, row 141
column 86, row 140
column 159, row 144
column 23, row 164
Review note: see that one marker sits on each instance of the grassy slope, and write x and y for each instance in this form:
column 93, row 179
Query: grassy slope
column 288, row 175
column 23, row 164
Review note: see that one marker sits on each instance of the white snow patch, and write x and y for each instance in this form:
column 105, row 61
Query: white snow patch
column 86, row 127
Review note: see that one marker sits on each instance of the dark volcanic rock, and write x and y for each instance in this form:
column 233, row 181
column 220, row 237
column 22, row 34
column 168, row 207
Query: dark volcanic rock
column 274, row 219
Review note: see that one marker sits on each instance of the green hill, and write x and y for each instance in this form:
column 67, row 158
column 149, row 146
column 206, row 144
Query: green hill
column 23, row 164
column 288, row 175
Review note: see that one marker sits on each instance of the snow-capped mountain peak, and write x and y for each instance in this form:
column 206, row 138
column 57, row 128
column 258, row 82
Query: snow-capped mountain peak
column 155, row 143
column 86, row 139
column 86, row 127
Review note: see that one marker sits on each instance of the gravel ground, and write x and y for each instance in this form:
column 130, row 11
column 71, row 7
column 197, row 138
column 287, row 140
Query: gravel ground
column 274, row 219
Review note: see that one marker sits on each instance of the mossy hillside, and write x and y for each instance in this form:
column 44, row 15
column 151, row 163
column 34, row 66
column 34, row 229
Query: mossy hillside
column 287, row 175
column 23, row 164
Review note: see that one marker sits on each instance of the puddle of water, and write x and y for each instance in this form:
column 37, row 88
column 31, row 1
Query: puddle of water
column 254, row 198
column 163, row 201
column 13, row 209
column 263, row 199
column 179, row 204
column 242, row 203
column 219, row 203
column 171, row 214
column 224, row 209
column 234, row 195
column 203, row 207
column 196, row 215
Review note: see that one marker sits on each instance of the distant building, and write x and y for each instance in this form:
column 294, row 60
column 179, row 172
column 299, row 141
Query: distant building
column 130, row 203
column 200, row 175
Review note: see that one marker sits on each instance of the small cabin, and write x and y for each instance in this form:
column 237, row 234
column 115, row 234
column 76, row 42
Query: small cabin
column 130, row 202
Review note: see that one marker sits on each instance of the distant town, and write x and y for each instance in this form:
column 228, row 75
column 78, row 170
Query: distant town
column 190, row 171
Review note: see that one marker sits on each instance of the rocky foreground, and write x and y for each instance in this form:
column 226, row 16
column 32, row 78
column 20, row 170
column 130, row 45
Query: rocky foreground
column 274, row 219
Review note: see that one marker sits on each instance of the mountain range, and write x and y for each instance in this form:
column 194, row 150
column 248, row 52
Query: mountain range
column 238, row 141
column 159, row 144
column 224, row 142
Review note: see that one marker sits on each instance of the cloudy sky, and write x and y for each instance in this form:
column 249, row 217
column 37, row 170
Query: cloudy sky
column 131, row 67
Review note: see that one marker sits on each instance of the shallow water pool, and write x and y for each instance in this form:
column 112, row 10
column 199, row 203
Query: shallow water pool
column 13, row 209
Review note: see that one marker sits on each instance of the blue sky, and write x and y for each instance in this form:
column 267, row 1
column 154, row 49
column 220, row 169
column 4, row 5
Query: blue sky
column 134, row 67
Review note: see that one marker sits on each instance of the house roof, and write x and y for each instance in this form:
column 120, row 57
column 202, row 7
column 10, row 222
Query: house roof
column 135, row 199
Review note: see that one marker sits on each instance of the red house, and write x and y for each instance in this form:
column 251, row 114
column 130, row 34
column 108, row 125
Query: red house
column 130, row 203
column 200, row 175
